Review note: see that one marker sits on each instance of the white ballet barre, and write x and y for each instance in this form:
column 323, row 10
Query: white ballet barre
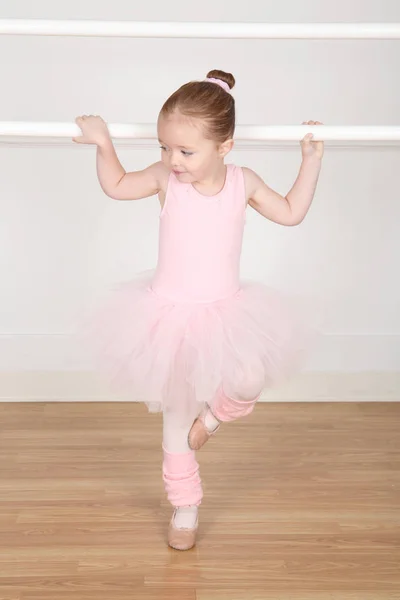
column 243, row 132
column 154, row 29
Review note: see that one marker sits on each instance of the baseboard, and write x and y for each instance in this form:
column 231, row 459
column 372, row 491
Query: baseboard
column 81, row 386
column 340, row 386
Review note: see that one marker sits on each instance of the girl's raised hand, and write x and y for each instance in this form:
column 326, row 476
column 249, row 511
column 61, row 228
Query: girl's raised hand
column 310, row 148
column 94, row 130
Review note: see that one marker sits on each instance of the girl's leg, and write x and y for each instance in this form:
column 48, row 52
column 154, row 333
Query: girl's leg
column 180, row 469
column 234, row 399
column 238, row 397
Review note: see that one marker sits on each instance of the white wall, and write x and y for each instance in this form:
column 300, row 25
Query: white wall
column 62, row 241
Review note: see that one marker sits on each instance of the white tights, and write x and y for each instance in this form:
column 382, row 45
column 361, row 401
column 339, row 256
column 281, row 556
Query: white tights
column 176, row 429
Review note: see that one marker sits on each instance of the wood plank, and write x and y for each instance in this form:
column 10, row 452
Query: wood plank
column 302, row 502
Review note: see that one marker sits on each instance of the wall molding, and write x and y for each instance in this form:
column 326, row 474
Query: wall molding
column 85, row 386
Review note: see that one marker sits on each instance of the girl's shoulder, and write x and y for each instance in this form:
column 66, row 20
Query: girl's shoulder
column 251, row 181
column 161, row 173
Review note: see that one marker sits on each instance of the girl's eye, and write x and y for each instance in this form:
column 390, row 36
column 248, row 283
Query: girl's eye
column 187, row 153
column 163, row 147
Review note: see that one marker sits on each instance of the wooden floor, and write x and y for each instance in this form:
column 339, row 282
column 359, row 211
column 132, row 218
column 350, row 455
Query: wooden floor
column 302, row 502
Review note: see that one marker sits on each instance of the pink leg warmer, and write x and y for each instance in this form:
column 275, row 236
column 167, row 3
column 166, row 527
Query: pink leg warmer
column 228, row 409
column 181, row 479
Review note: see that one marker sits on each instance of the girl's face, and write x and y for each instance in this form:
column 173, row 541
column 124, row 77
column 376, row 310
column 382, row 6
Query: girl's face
column 185, row 150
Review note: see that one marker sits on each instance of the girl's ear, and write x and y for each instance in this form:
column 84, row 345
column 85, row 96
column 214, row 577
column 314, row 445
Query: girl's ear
column 226, row 147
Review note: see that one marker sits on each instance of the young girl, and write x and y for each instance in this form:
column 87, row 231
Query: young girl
column 192, row 340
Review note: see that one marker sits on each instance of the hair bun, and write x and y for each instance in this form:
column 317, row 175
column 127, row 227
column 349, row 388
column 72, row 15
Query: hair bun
column 228, row 78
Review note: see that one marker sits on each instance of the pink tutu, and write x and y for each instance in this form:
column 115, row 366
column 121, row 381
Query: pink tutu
column 173, row 354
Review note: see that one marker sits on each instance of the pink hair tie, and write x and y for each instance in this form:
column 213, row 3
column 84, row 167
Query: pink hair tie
column 219, row 82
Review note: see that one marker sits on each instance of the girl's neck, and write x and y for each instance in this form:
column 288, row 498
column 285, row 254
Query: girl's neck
column 214, row 184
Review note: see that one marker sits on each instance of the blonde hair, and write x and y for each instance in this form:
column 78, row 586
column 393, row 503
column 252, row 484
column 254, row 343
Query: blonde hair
column 208, row 102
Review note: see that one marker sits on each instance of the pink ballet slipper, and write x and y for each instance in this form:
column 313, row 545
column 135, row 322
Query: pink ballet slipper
column 181, row 538
column 199, row 434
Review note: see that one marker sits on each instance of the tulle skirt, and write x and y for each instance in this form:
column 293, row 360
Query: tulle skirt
column 178, row 354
